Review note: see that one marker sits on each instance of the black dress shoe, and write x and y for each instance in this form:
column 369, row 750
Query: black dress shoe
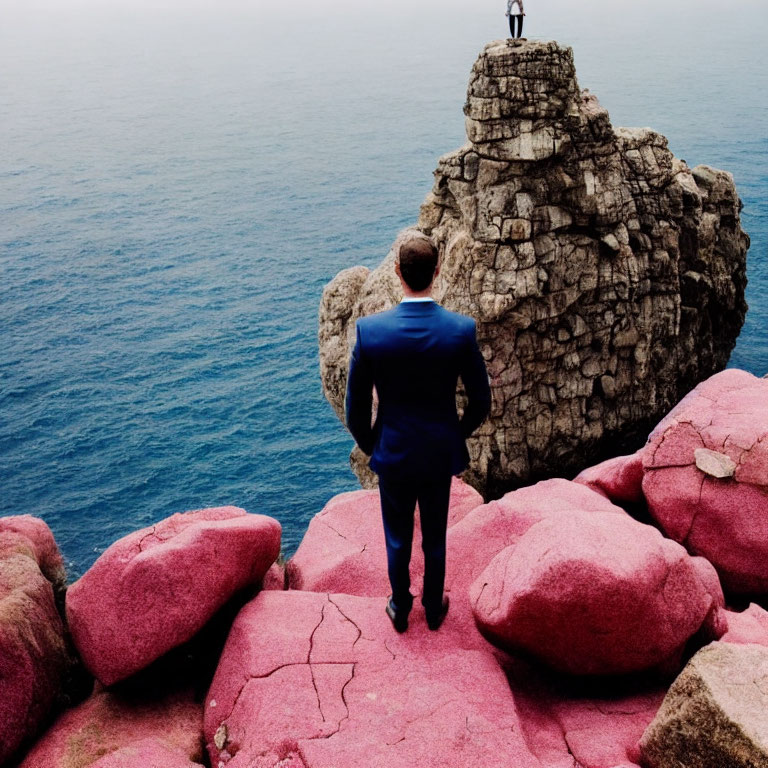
column 434, row 620
column 399, row 618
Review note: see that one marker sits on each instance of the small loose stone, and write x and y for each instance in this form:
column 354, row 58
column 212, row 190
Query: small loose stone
column 220, row 737
column 714, row 464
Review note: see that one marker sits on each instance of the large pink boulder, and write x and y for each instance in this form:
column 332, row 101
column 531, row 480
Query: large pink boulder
column 488, row 529
column 706, row 477
column 107, row 722
column 154, row 589
column 309, row 680
column 33, row 653
column 344, row 551
column 596, row 594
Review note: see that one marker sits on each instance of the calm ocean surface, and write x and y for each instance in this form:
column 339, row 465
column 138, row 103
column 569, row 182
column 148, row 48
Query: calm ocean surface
column 176, row 188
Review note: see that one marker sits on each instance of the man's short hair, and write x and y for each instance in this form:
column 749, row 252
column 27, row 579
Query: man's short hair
column 418, row 260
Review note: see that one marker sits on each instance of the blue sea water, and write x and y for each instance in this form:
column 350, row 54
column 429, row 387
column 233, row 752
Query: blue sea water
column 179, row 181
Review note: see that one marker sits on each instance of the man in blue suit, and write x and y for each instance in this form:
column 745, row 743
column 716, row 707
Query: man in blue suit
column 414, row 355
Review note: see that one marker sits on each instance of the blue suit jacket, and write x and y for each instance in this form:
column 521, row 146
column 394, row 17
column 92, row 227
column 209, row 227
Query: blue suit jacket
column 414, row 355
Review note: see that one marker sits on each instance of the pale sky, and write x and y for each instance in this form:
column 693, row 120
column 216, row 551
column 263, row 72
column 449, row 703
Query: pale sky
column 379, row 6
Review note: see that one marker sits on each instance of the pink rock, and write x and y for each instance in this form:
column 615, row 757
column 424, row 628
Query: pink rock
column 603, row 733
column 107, row 722
column 598, row 731
column 596, row 595
column 33, row 654
column 750, row 626
column 724, row 519
column 335, row 685
column 619, row 479
column 490, row 528
column 344, row 550
column 30, row 535
column 154, row 589
column 149, row 753
column 274, row 578
column 464, row 498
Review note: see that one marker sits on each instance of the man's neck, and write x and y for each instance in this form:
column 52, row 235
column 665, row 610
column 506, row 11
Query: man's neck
column 408, row 294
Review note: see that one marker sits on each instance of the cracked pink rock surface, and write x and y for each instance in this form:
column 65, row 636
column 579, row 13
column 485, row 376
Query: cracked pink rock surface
column 343, row 550
column 154, row 589
column 107, row 722
column 596, row 730
column 619, row 479
column 603, row 733
column 33, row 653
column 749, row 626
column 337, row 686
column 596, row 595
column 724, row 520
column 148, row 753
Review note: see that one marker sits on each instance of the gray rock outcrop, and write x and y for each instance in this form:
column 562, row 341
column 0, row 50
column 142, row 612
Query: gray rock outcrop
column 607, row 277
column 715, row 715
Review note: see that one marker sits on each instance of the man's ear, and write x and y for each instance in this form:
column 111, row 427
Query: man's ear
column 397, row 269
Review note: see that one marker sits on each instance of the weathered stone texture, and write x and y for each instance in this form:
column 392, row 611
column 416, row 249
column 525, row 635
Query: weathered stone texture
column 310, row 680
column 34, row 660
column 156, row 588
column 706, row 477
column 591, row 591
column 607, row 277
column 109, row 725
column 714, row 715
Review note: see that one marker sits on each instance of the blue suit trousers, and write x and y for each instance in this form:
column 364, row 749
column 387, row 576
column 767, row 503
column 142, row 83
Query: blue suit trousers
column 398, row 502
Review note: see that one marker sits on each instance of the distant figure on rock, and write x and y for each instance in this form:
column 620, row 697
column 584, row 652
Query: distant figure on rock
column 512, row 16
column 414, row 355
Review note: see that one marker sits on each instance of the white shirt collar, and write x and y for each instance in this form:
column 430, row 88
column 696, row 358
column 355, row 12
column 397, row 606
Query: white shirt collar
column 413, row 299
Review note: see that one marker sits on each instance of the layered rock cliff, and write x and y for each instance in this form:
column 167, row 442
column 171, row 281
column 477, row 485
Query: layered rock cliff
column 607, row 277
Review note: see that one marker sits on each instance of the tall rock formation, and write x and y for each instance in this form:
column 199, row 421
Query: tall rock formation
column 606, row 277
